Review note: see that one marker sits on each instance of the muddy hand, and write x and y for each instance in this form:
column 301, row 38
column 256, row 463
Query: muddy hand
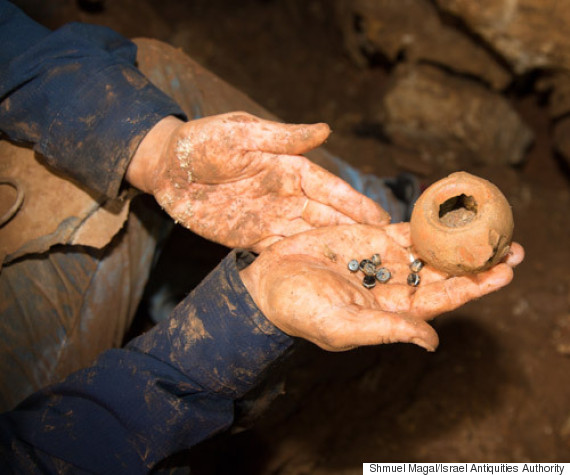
column 240, row 180
column 302, row 285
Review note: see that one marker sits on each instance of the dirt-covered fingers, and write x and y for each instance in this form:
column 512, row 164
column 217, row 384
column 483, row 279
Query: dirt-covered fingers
column 400, row 233
column 448, row 294
column 326, row 188
column 299, row 214
column 355, row 326
column 323, row 198
column 515, row 255
column 318, row 215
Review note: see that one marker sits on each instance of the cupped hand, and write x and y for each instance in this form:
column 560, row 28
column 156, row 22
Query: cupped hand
column 303, row 286
column 241, row 181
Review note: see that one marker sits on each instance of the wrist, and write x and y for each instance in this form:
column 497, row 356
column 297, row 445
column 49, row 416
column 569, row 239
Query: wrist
column 145, row 162
column 250, row 281
column 229, row 335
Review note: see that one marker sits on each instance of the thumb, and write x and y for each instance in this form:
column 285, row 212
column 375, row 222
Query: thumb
column 365, row 326
column 285, row 139
column 385, row 327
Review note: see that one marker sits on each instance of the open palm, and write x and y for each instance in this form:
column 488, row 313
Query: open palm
column 302, row 284
column 241, row 181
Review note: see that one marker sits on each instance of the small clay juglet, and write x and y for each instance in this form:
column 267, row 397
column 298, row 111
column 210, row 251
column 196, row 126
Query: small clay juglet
column 462, row 224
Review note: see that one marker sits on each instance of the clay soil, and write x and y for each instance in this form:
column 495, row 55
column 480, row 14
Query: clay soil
column 498, row 387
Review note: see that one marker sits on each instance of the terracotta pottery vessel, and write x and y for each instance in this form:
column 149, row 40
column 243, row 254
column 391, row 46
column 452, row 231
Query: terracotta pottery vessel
column 462, row 224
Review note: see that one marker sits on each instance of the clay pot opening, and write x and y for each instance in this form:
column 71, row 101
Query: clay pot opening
column 458, row 211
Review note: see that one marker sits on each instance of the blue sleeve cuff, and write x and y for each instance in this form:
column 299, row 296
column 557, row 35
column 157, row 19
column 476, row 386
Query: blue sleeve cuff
column 96, row 132
column 76, row 95
column 219, row 323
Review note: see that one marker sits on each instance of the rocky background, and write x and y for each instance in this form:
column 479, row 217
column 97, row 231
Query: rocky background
column 427, row 86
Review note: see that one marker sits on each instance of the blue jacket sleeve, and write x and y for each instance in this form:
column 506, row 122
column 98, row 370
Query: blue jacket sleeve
column 76, row 95
column 167, row 390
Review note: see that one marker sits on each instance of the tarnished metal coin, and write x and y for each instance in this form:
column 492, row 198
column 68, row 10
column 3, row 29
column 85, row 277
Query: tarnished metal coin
column 363, row 262
column 376, row 260
column 383, row 275
column 414, row 279
column 353, row 265
column 369, row 281
column 368, row 268
column 417, row 265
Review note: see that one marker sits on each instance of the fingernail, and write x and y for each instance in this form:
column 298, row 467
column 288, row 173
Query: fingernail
column 424, row 344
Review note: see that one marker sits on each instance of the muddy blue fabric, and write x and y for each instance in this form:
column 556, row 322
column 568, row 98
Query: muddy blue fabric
column 77, row 96
column 167, row 390
column 60, row 309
